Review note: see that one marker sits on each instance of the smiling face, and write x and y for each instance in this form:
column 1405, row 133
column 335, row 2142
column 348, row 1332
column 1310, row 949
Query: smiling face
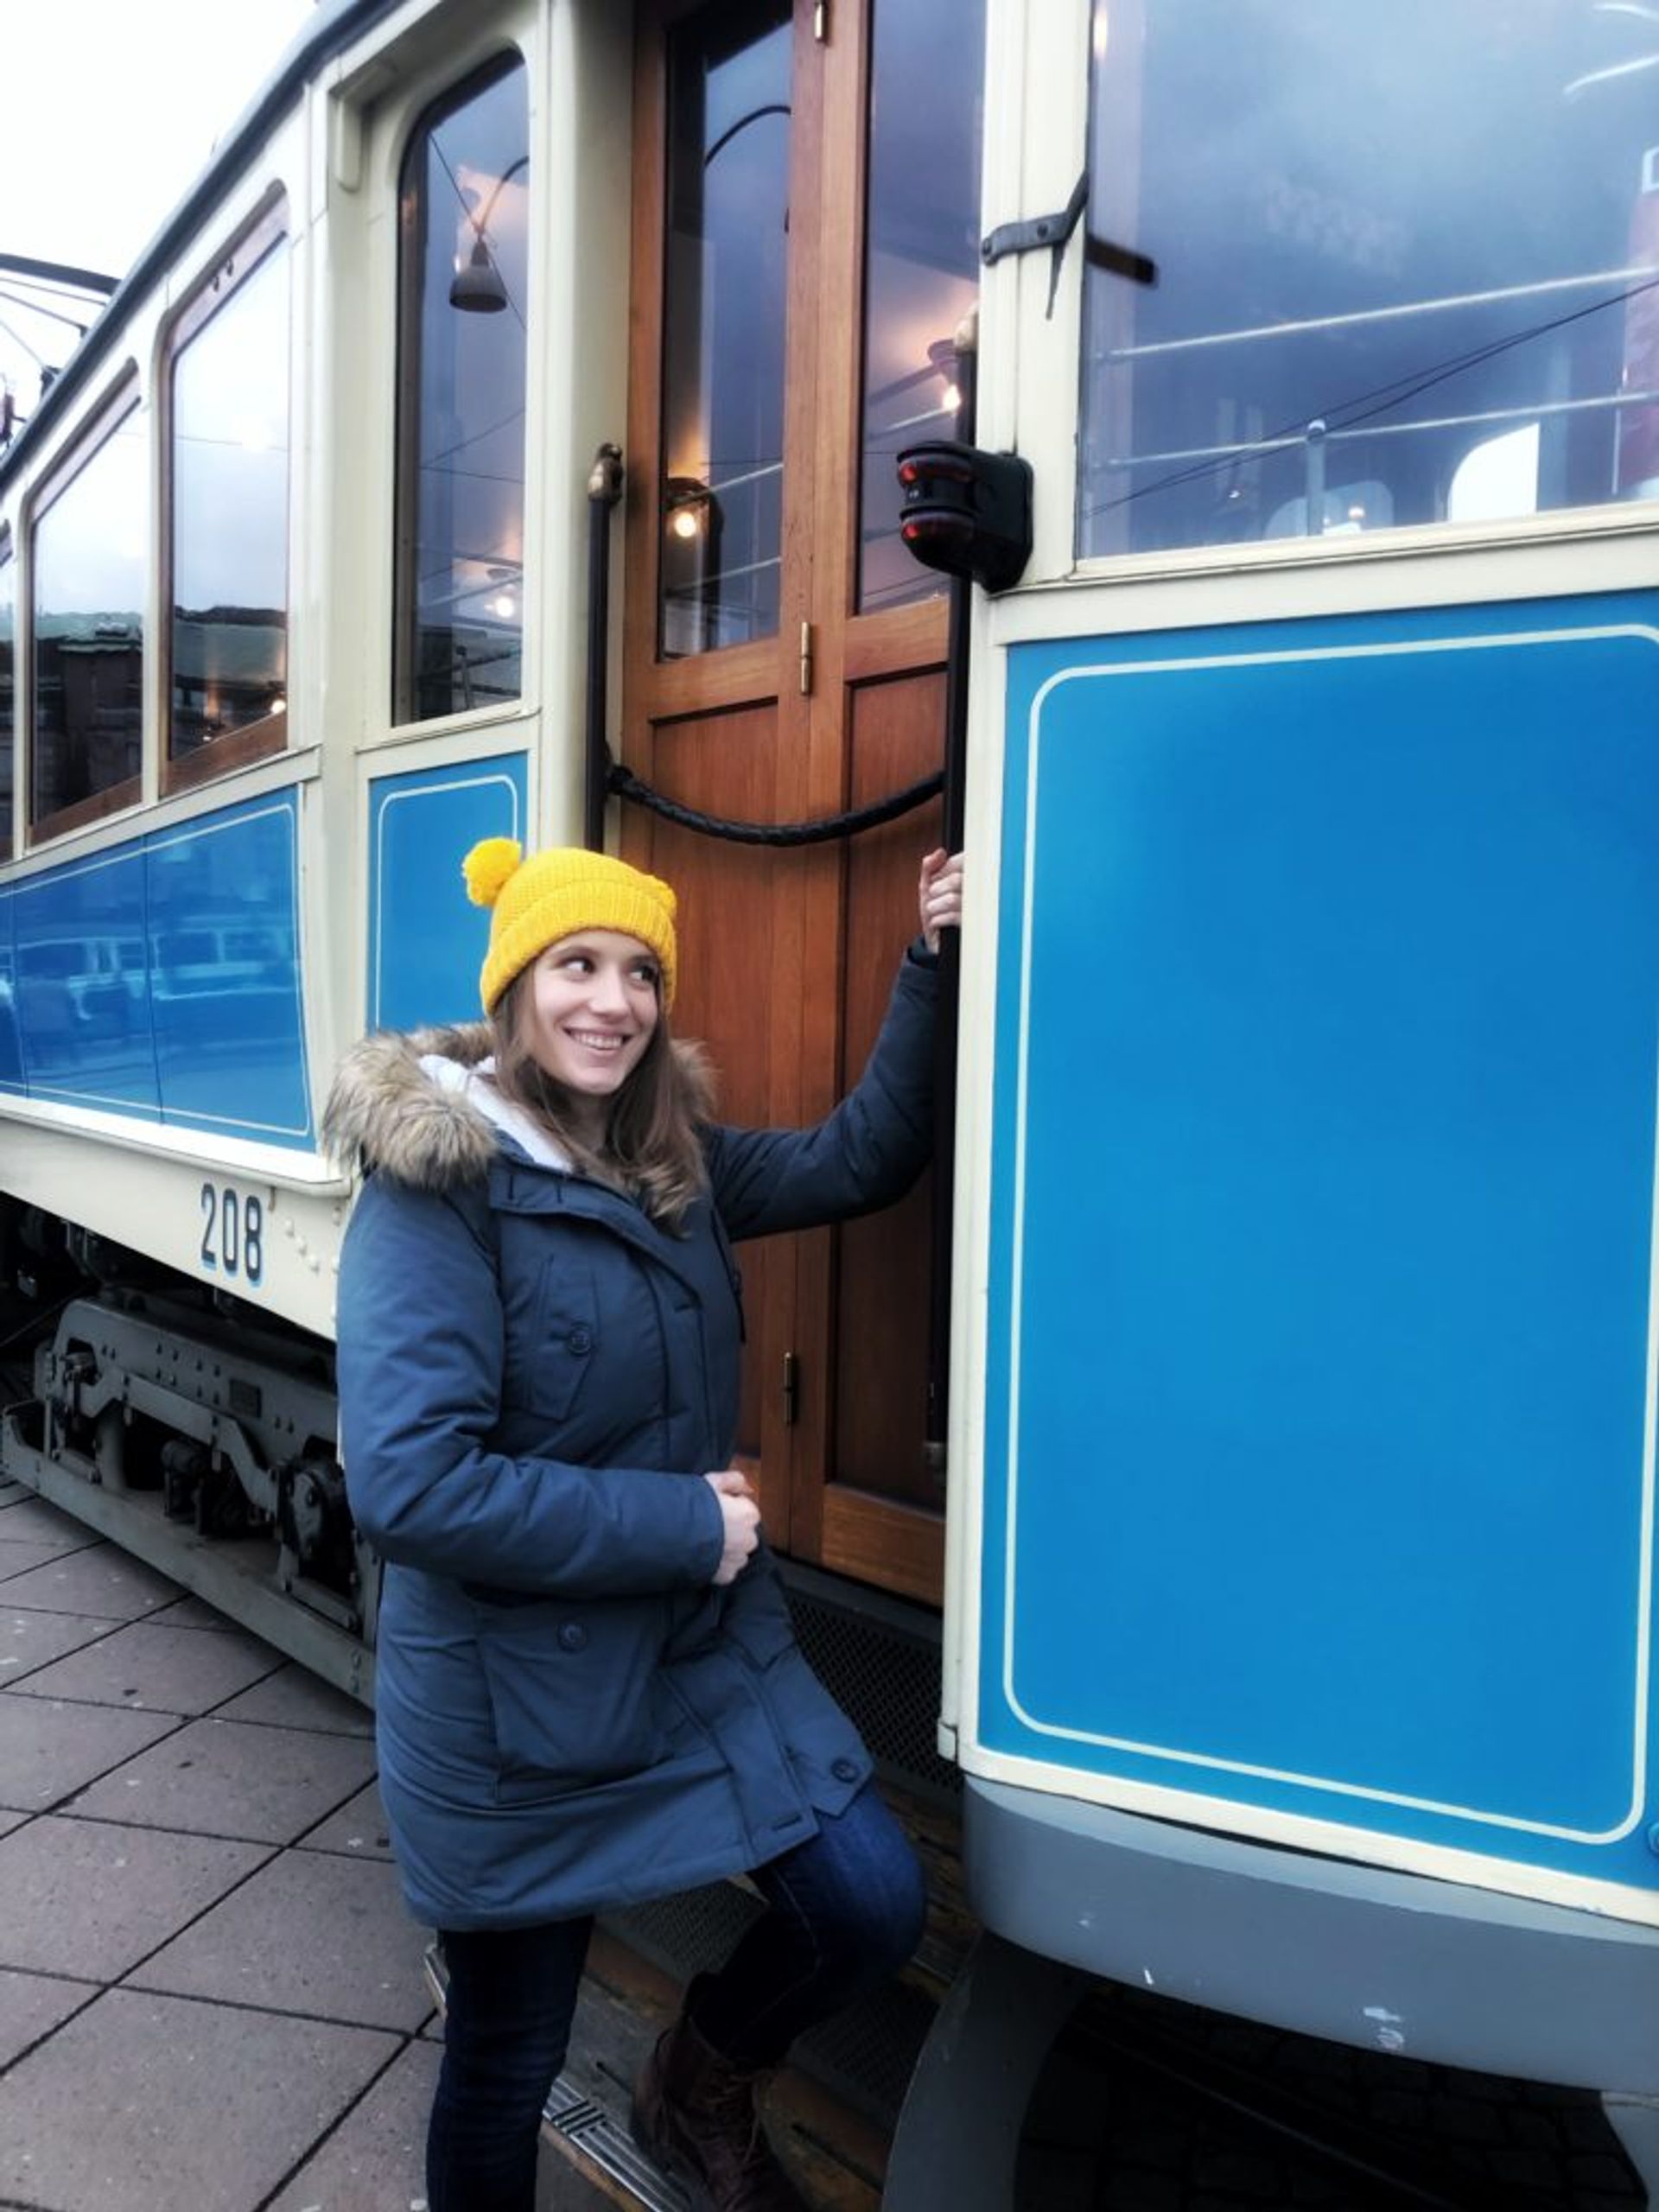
column 591, row 1011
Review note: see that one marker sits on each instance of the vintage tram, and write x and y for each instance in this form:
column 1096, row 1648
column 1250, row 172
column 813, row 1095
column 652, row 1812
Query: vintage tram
column 1293, row 1525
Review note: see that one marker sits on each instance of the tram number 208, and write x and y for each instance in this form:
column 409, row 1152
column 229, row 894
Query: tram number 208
column 232, row 1232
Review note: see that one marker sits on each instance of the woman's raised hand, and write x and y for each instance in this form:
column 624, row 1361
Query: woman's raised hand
column 740, row 1512
column 940, row 894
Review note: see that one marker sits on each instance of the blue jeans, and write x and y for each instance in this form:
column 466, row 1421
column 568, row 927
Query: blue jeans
column 845, row 1912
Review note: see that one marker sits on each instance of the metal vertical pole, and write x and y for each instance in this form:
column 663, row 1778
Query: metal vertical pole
column 944, row 1065
column 604, row 490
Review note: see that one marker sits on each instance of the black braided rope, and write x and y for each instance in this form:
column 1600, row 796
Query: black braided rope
column 622, row 783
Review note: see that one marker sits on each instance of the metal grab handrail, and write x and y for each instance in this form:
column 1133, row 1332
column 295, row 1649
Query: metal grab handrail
column 1292, row 442
column 621, row 783
column 605, row 485
column 1361, row 315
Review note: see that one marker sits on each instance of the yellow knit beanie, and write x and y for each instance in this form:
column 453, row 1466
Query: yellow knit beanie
column 535, row 902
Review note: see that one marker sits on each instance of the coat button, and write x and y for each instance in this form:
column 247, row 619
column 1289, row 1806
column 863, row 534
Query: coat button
column 580, row 1339
column 573, row 1637
column 845, row 1769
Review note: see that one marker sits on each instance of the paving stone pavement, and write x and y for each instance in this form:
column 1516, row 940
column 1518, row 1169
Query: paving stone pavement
column 211, row 1997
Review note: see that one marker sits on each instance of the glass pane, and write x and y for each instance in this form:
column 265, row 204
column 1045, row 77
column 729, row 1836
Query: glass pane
column 91, row 548
column 1405, row 275
column 466, row 208
column 726, row 283
column 921, row 258
column 8, row 698
column 230, row 516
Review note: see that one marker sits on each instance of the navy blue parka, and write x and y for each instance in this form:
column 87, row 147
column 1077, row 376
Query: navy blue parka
column 534, row 1377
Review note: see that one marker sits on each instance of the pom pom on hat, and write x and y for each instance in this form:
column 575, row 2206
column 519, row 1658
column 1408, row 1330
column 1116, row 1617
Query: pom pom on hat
column 552, row 895
column 488, row 867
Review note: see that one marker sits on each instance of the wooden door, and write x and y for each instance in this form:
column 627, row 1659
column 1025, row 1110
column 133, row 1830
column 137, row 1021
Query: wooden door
column 784, row 662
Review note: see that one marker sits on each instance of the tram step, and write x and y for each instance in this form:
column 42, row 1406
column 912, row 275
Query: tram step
column 833, row 2155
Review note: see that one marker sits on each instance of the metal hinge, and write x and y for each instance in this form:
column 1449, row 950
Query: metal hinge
column 1055, row 233
column 806, row 659
column 820, row 22
column 791, row 1388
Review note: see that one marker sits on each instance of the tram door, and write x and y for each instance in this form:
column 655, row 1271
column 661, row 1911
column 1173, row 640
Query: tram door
column 804, row 247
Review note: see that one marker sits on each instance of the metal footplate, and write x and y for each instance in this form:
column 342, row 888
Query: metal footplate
column 588, row 2136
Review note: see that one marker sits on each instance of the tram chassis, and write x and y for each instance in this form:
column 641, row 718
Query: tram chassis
column 201, row 1440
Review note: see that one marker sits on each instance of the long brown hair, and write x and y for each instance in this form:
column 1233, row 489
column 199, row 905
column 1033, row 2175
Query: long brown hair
column 651, row 1148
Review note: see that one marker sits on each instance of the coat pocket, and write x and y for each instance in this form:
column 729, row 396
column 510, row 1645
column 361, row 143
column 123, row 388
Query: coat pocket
column 756, row 1613
column 575, row 1694
column 550, row 1352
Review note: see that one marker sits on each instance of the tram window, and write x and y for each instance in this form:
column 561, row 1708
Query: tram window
column 227, row 454
column 7, row 690
column 464, row 213
column 921, row 259
column 1408, row 268
column 90, row 569
column 726, row 284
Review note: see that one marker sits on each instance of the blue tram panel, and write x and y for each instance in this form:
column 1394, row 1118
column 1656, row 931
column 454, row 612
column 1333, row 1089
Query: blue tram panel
column 427, row 940
column 163, row 978
column 1319, row 1464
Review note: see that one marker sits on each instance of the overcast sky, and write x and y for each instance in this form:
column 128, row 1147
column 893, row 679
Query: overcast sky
column 108, row 110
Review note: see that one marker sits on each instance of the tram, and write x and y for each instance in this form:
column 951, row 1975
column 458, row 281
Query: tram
column 1230, row 1489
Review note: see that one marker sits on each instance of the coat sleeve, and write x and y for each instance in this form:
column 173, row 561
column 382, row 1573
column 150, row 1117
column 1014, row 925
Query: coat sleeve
column 865, row 1155
column 421, row 1340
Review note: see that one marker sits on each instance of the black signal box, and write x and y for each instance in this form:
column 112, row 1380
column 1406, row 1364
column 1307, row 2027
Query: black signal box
column 966, row 512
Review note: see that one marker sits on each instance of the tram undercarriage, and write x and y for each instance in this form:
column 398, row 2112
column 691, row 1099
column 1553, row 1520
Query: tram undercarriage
column 193, row 1432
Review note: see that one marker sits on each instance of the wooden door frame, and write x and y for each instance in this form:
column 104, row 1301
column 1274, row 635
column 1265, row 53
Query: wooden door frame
column 855, row 1532
column 807, row 1514
column 763, row 671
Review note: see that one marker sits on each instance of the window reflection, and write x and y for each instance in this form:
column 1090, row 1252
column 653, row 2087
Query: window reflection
column 230, row 516
column 921, row 257
column 90, row 569
column 465, row 215
column 725, row 291
column 1380, row 300
column 7, row 694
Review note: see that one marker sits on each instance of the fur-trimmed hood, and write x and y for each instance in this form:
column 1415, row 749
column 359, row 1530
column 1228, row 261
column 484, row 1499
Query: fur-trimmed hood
column 419, row 1107
column 393, row 1108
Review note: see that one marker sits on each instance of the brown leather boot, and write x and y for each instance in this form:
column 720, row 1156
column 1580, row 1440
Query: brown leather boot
column 695, row 2115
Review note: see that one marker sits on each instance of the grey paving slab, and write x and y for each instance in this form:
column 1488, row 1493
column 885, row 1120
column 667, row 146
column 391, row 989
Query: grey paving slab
column 100, row 1579
column 221, row 1777
column 25, row 1520
column 47, row 1748
column 375, row 2160
column 32, row 2004
column 309, row 1933
column 148, row 1665
column 358, row 1829
column 145, row 2103
column 28, row 1640
column 189, row 1611
column 90, row 1898
column 17, row 1559
column 293, row 1697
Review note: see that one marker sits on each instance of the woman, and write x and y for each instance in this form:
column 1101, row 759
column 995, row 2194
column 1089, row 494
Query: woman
column 588, row 1692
